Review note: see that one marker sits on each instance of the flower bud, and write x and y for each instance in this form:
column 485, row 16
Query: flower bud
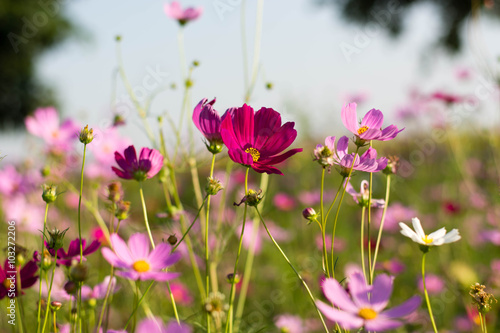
column 45, row 171
column 214, row 146
column 213, row 186
column 233, row 278
column 122, row 210
column 71, row 288
column 252, row 198
column 269, row 85
column 49, row 194
column 79, row 272
column 392, row 165
column 196, row 63
column 310, row 215
column 323, row 155
column 114, row 191
column 172, row 240
column 86, row 135
column 118, row 120
column 56, row 238
column 188, row 83
column 46, row 261
column 55, row 305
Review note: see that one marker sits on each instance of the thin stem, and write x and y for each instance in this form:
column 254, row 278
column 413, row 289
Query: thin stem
column 48, row 297
column 190, row 226
column 174, row 305
column 293, row 268
column 362, row 240
column 427, row 295
column 54, row 320
column 337, row 217
column 381, row 228
column 108, row 292
column 207, row 253
column 229, row 323
column 323, row 224
column 80, row 204
column 144, row 211
column 138, row 304
column 21, row 326
column 38, row 318
column 369, row 225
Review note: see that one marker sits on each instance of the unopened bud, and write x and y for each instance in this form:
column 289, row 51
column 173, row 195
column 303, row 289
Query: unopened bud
column 122, row 210
column 118, row 120
column 251, row 199
column 188, row 83
column 114, row 191
column 79, row 272
column 45, row 171
column 269, row 85
column 86, row 135
column 233, row 278
column 323, row 155
column 55, row 306
column 310, row 214
column 172, row 240
column 49, row 194
column 71, row 288
column 213, row 186
column 56, row 238
column 196, row 63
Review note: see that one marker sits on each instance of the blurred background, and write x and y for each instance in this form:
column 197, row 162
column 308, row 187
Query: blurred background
column 316, row 54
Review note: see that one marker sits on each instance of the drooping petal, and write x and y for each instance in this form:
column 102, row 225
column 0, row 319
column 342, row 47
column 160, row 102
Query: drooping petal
column 239, row 156
column 121, row 173
column 344, row 319
column 130, row 274
column 389, row 133
column 92, row 247
column 382, row 290
column 280, row 158
column 336, row 294
column 261, row 168
column 350, row 118
column 159, row 276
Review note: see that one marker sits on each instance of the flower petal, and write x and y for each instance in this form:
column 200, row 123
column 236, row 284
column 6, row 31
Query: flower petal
column 139, row 246
column 406, row 231
column 452, row 236
column 350, row 118
column 403, row 309
column 373, row 119
column 345, row 319
column 438, row 234
column 279, row 141
column 358, row 288
column 121, row 249
column 113, row 259
column 159, row 276
column 161, row 258
column 266, row 123
column 381, row 324
column 239, row 156
column 336, row 294
column 342, row 146
column 381, row 292
column 243, row 124
column 418, row 227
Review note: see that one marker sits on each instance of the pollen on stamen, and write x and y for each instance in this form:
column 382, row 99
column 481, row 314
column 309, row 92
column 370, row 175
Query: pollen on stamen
column 367, row 313
column 427, row 240
column 362, row 129
column 254, row 152
column 141, row 266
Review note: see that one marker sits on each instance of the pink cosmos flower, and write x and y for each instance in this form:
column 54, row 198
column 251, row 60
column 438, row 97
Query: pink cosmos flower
column 99, row 291
column 12, row 182
column 208, row 121
column 283, row 201
column 364, row 307
column 27, row 278
column 149, row 164
column 183, row 16
column 370, row 127
column 395, row 212
column 156, row 325
column 44, row 123
column 65, row 258
column 136, row 260
column 256, row 139
column 104, row 144
column 362, row 198
column 433, row 283
column 182, row 294
column 368, row 162
column 290, row 323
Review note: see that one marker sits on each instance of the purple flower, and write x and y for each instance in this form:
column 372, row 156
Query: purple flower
column 65, row 258
column 433, row 283
column 362, row 198
column 99, row 291
column 368, row 162
column 283, row 201
column 365, row 305
column 149, row 164
column 395, row 212
column 104, row 144
column 44, row 123
column 183, row 16
column 8, row 280
column 156, row 325
column 370, row 126
column 136, row 260
column 290, row 323
column 208, row 121
column 256, row 139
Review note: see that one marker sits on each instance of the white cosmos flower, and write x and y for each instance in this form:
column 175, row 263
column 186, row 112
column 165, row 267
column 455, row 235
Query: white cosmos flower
column 438, row 237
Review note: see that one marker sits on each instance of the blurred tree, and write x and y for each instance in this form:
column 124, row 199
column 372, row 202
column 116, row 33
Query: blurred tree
column 27, row 29
column 389, row 15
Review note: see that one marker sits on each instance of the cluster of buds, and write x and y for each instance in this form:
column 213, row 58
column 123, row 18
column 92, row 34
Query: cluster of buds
column 86, row 135
column 213, row 186
column 49, row 194
column 323, row 155
column 252, row 198
column 480, row 298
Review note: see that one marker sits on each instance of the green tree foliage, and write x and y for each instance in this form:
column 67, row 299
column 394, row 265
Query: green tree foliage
column 27, row 29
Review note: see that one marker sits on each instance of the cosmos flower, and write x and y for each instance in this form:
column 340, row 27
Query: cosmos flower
column 137, row 261
column 156, row 325
column 149, row 164
column 8, row 285
column 436, row 238
column 365, row 305
column 99, row 290
column 183, row 16
column 65, row 258
column 370, row 126
column 290, row 323
column 255, row 139
column 104, row 144
column 362, row 198
column 207, row 120
column 45, row 124
column 367, row 162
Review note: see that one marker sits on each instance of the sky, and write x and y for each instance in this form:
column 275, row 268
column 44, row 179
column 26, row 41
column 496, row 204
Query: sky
column 303, row 54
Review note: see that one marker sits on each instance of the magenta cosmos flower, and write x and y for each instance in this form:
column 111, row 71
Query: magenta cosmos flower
column 136, row 260
column 208, row 122
column 65, row 258
column 366, row 303
column 256, row 139
column 147, row 166
column 183, row 16
column 45, row 124
column 367, row 162
column 370, row 127
column 8, row 278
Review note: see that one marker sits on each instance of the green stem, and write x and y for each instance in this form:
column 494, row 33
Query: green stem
column 293, row 268
column 207, row 254
column 427, row 295
column 362, row 240
column 229, row 323
column 369, row 225
column 381, row 228
column 49, row 294
column 54, row 319
column 145, row 213
column 80, row 204
column 108, row 292
column 190, row 226
column 21, row 326
column 137, row 306
column 323, row 224
column 38, row 318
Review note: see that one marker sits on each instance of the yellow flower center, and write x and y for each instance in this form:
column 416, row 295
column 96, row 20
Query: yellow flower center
column 254, row 152
column 367, row 313
column 7, row 283
column 362, row 129
column 141, row 266
column 427, row 240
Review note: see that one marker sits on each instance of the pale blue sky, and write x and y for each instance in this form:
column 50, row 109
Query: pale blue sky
column 301, row 55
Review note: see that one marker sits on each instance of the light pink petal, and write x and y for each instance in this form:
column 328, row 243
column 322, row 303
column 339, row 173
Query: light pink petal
column 373, row 119
column 336, row 294
column 330, row 143
column 139, row 246
column 349, row 117
column 381, row 324
column 359, row 289
column 113, row 259
column 381, row 292
column 346, row 320
column 159, row 276
column 121, row 249
column 403, row 309
column 342, row 146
